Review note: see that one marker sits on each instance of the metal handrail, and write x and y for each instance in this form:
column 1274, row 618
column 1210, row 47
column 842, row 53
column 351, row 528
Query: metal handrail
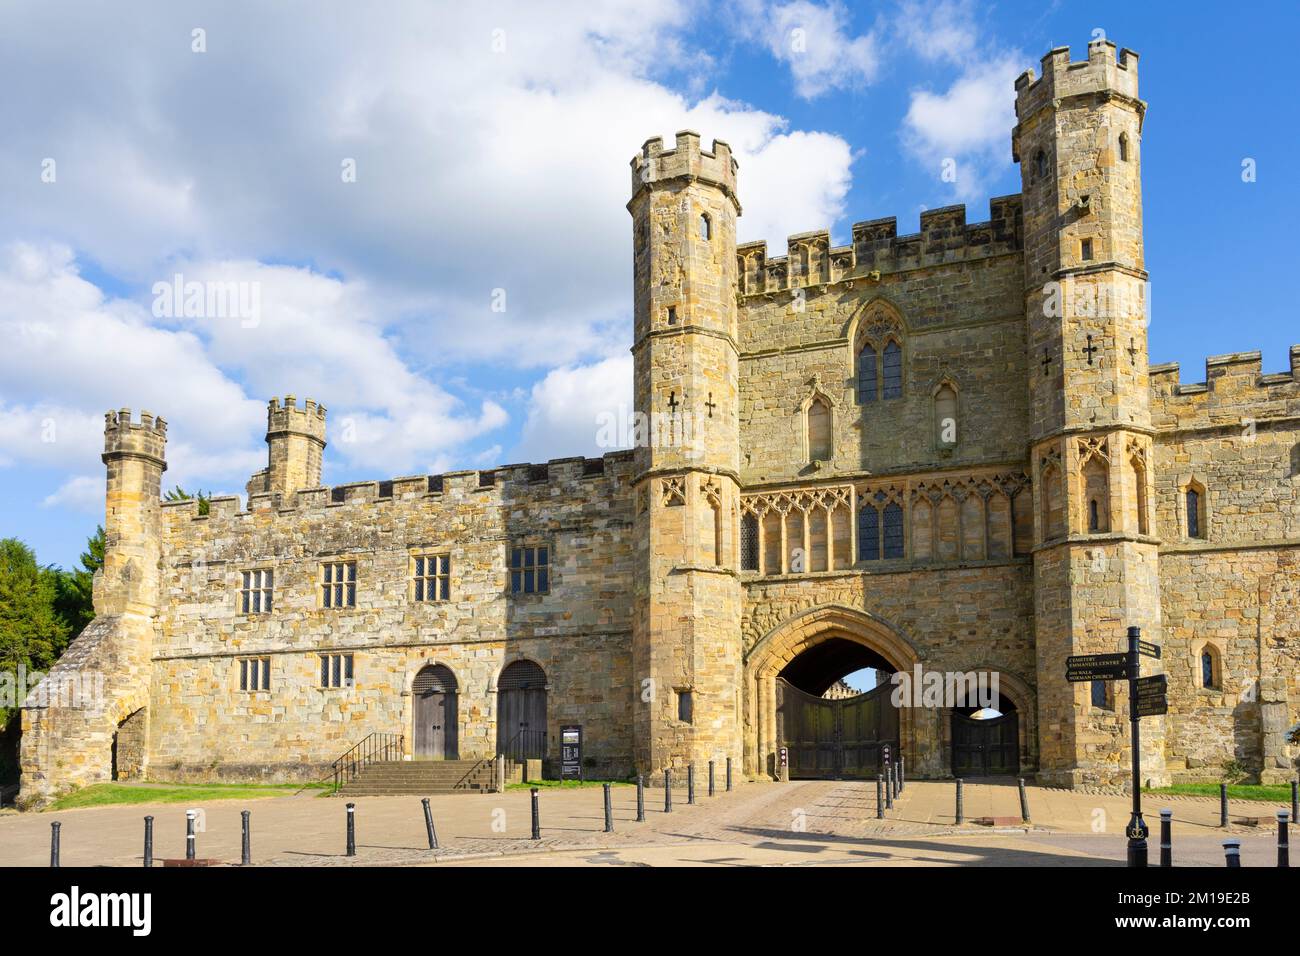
column 372, row 748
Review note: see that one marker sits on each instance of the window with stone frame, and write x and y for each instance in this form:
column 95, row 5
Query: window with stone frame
column 1194, row 505
column 749, row 542
column 256, row 591
column 867, row 374
column 338, row 583
column 530, row 569
column 891, row 369
column 685, row 706
column 254, row 673
column 1211, row 669
column 1102, row 698
column 336, row 670
column 431, row 577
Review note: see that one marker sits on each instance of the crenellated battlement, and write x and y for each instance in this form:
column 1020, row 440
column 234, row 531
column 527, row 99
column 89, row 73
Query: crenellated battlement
column 1235, row 384
column 144, row 439
column 877, row 249
column 308, row 420
column 1104, row 71
column 687, row 160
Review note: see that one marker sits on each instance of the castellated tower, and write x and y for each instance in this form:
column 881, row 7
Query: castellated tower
column 295, row 439
column 98, row 692
column 1078, row 142
column 687, row 604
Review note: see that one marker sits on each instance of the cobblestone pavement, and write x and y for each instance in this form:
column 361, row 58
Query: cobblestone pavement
column 808, row 822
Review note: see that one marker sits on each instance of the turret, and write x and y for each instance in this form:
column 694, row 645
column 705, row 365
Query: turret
column 686, row 653
column 135, row 455
column 295, row 439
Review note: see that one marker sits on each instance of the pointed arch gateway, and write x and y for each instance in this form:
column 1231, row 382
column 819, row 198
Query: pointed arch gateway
column 788, row 669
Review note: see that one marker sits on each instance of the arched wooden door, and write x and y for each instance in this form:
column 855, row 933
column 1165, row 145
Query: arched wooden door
column 435, row 712
column 521, row 711
column 985, row 748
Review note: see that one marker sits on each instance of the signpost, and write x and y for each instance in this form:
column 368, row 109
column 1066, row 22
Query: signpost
column 1147, row 697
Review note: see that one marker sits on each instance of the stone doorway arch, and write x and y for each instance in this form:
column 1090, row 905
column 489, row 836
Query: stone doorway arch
column 784, row 645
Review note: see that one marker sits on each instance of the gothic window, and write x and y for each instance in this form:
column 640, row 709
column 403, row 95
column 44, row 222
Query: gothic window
column 1211, row 674
column 892, row 369
column 706, row 227
column 1140, row 489
column 1096, row 492
column 893, row 531
column 1123, row 147
column 1022, row 522
column 749, row 543
column 1053, row 506
column 866, row 375
column 819, row 430
column 868, row 534
column 1195, row 513
column 945, row 416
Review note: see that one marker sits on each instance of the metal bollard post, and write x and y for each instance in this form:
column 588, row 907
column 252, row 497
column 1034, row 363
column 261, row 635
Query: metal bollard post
column 961, row 811
column 880, row 796
column 352, row 829
column 609, row 810
column 711, row 790
column 1223, row 804
column 902, row 781
column 1295, row 801
column 55, row 827
column 189, row 833
column 668, row 792
column 148, row 842
column 537, row 820
column 897, row 789
column 729, row 777
column 246, row 855
column 1232, row 853
column 1166, row 838
column 428, row 824
column 1283, row 840
column 1024, row 800
column 889, row 789
column 640, row 799
column 690, row 785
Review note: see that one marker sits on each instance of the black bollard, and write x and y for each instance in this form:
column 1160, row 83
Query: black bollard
column 1295, row 801
column 55, row 827
column 902, row 781
column 1223, row 805
column 889, row 788
column 668, row 793
column 880, row 796
column 1283, row 841
column 428, row 825
column 1232, row 853
column 189, row 833
column 352, row 829
column 690, row 784
column 640, row 799
column 961, row 811
column 711, row 790
column 246, row 857
column 894, row 770
column 1166, row 838
column 609, row 810
column 729, row 777
column 1024, row 800
column 537, row 819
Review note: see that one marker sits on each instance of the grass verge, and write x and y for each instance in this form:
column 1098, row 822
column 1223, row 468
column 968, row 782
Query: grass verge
column 567, row 784
column 112, row 794
column 1271, row 793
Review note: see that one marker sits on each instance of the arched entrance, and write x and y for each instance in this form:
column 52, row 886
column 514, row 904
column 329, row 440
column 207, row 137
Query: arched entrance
column 435, row 714
column 807, row 654
column 986, row 740
column 521, row 711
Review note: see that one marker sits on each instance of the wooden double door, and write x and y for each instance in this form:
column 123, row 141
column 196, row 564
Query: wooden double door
column 436, row 715
column 833, row 739
column 521, row 711
column 985, row 748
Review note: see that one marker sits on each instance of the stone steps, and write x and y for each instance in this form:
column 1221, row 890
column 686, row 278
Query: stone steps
column 420, row 777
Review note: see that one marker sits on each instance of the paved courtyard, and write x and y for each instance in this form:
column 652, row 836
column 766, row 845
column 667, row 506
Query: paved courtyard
column 795, row 824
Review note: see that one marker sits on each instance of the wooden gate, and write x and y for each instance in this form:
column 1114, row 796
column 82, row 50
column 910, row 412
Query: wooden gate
column 521, row 711
column 830, row 739
column 435, row 712
column 983, row 748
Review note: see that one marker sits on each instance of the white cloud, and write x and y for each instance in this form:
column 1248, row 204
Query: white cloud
column 938, row 31
column 79, row 493
column 970, row 123
column 813, row 41
column 568, row 407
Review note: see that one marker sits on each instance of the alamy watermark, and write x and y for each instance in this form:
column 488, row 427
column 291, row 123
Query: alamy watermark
column 208, row 300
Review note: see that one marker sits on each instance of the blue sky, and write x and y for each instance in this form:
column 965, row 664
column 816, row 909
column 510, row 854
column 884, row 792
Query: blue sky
column 491, row 147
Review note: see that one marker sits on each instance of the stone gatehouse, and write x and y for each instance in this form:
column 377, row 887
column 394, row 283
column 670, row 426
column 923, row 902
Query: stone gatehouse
column 943, row 452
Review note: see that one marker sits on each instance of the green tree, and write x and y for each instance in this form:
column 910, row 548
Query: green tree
column 32, row 632
column 180, row 494
column 75, row 600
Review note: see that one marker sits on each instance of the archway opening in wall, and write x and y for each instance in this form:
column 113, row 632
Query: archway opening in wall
column 126, row 759
column 435, row 714
column 835, row 715
column 986, row 740
column 521, row 711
